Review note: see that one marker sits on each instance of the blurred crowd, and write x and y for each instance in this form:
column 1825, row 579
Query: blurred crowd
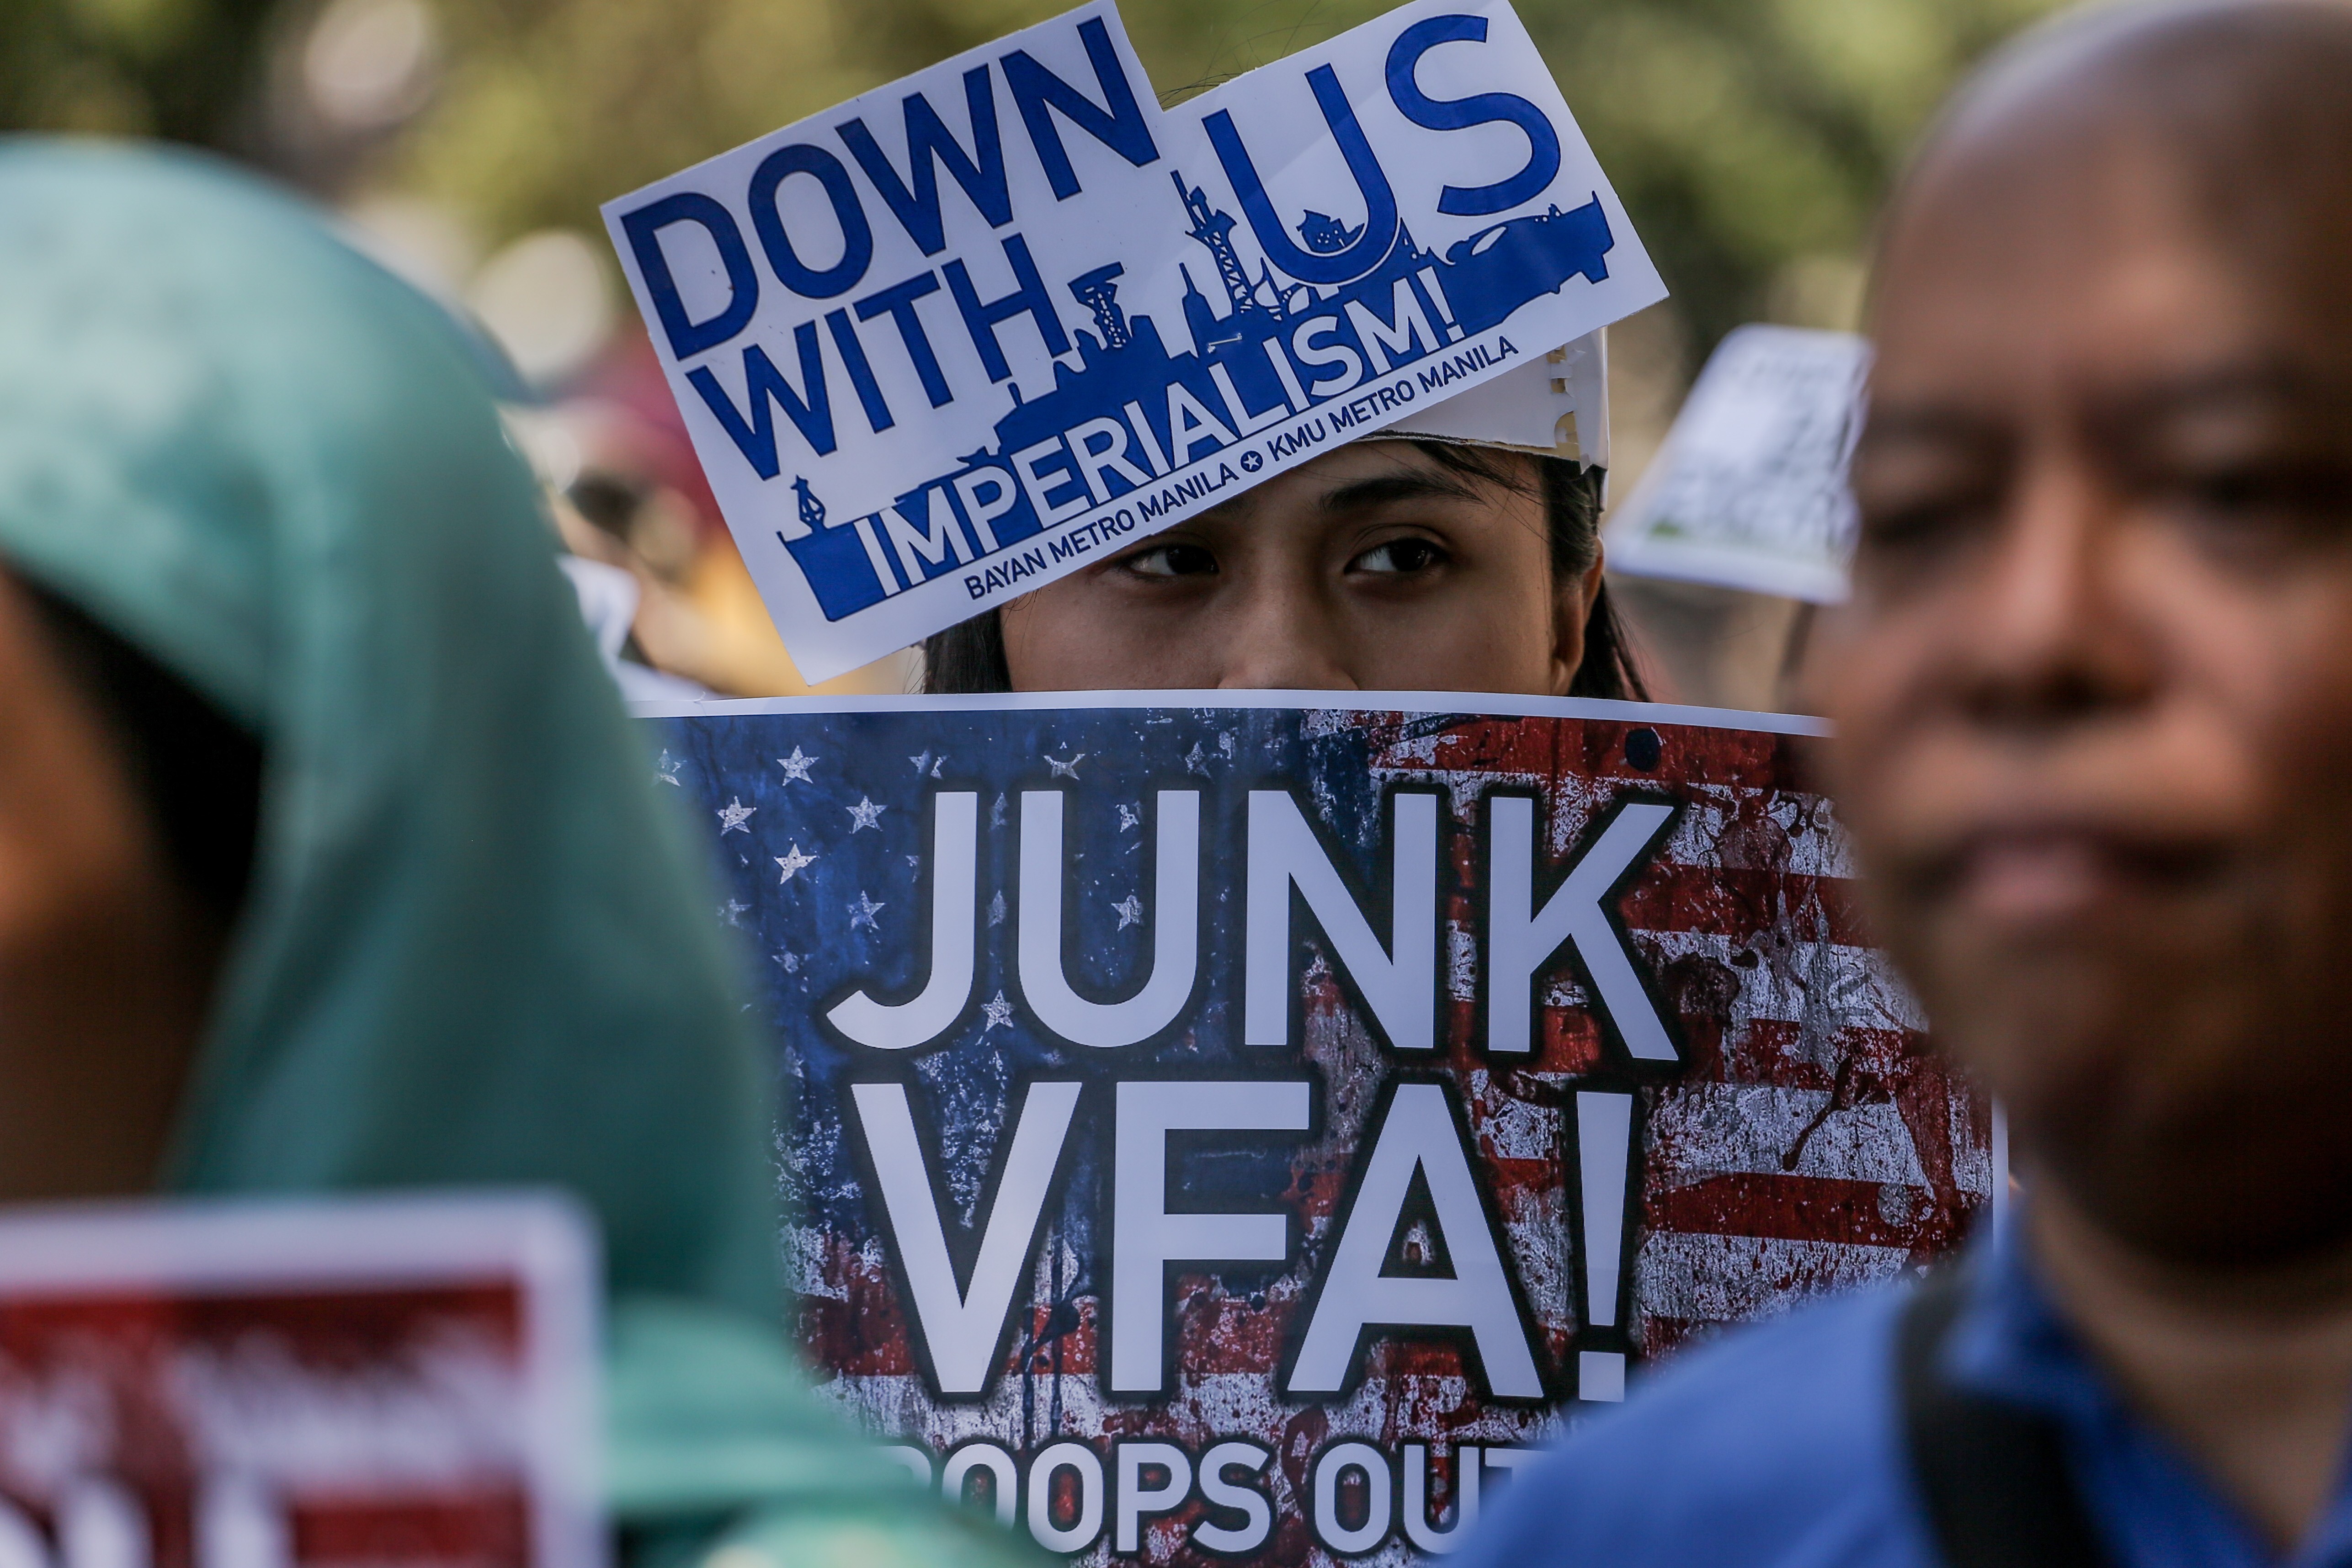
column 328, row 860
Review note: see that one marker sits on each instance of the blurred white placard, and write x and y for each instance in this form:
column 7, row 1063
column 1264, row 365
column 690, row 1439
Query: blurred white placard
column 1749, row 489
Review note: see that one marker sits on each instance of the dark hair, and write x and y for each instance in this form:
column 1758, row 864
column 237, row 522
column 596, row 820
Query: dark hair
column 197, row 771
column 969, row 657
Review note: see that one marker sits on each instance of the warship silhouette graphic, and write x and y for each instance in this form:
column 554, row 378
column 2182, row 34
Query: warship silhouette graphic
column 1134, row 431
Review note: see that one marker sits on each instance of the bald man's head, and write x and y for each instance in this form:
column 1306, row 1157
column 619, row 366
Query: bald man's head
column 2240, row 109
column 2094, row 687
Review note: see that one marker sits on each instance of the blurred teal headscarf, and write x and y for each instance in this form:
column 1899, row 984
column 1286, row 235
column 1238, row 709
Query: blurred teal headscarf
column 476, row 951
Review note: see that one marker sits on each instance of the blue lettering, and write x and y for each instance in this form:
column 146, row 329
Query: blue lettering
column 1029, row 298
column 1307, row 343
column 929, row 537
column 811, row 412
column 861, row 374
column 1380, row 202
column 898, row 301
column 688, row 338
column 930, row 144
column 1044, row 470
column 1478, row 109
column 1118, row 122
column 856, row 234
column 1406, row 334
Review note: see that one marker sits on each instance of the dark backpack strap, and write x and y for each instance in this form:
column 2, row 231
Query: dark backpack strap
column 1993, row 1474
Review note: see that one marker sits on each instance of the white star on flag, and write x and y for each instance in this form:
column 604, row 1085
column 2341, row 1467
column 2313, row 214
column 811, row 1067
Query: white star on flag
column 1130, row 911
column 732, row 913
column 1066, row 769
column 996, row 908
column 669, row 766
column 865, row 814
column 796, row 767
column 927, row 763
column 1129, row 816
column 863, row 912
column 733, row 817
column 999, row 1011
column 791, row 861
column 1193, row 761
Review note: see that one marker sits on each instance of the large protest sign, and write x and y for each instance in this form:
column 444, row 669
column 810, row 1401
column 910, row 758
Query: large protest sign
column 1233, row 1126
column 300, row 1385
column 953, row 338
column 1749, row 489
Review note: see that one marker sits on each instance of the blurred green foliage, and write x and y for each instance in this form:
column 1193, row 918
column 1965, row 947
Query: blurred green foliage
column 188, row 70
column 1751, row 140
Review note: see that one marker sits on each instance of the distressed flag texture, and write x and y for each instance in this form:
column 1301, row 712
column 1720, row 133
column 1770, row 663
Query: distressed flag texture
column 1799, row 1140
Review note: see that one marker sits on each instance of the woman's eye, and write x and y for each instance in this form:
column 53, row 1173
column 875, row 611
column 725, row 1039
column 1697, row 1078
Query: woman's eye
column 1400, row 556
column 1172, row 560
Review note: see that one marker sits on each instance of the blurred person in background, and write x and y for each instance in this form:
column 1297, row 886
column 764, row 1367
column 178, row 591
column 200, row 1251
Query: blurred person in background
column 630, row 497
column 328, row 860
column 2094, row 699
column 1387, row 565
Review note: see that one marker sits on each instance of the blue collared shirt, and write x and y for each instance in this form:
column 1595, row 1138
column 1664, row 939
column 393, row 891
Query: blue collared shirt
column 1782, row 1447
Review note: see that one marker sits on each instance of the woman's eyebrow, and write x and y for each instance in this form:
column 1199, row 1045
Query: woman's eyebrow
column 1387, row 487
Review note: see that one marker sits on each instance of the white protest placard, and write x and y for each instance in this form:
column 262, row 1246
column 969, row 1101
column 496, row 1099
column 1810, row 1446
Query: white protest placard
column 1749, row 489
column 948, row 341
column 301, row 1383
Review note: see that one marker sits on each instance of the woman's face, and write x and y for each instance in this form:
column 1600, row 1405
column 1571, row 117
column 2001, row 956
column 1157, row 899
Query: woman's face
column 1375, row 568
column 106, row 962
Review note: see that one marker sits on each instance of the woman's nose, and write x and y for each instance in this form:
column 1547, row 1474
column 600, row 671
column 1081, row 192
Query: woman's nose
column 1283, row 638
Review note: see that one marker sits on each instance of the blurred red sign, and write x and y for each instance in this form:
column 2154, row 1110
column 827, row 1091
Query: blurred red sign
column 398, row 1383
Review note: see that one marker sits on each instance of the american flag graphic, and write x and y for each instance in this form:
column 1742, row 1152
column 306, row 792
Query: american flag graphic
column 1794, row 1137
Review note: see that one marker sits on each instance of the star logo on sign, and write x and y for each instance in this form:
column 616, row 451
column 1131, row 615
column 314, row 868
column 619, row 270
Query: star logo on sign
column 732, row 913
column 999, row 1011
column 1066, row 769
column 863, row 912
column 669, row 766
column 791, row 861
column 1130, row 911
column 733, row 817
column 865, row 814
column 795, row 767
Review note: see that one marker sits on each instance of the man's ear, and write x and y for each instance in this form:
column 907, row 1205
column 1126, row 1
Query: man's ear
column 1571, row 609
